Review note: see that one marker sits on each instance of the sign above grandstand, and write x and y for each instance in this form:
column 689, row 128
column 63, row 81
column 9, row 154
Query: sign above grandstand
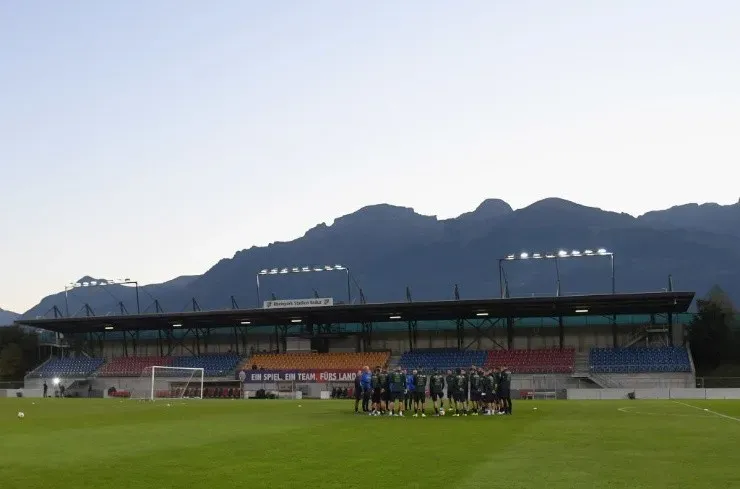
column 308, row 376
column 293, row 303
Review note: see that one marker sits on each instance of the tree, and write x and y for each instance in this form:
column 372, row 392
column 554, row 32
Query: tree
column 24, row 340
column 712, row 340
column 11, row 362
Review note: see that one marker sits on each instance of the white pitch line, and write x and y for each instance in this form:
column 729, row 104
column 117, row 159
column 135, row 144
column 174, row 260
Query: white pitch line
column 708, row 411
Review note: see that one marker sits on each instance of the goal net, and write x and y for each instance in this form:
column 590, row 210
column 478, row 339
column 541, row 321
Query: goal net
column 159, row 382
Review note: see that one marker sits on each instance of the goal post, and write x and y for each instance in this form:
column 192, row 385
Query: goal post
column 175, row 382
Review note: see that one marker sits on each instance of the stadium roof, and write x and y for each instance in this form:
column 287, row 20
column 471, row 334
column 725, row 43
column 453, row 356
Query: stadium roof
column 592, row 305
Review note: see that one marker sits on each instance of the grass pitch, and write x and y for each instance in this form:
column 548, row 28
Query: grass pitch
column 81, row 443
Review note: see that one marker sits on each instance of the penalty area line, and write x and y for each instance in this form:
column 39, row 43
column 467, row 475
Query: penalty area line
column 708, row 411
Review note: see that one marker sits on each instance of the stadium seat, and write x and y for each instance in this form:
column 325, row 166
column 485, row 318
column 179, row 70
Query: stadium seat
column 316, row 361
column 132, row 366
column 67, row 368
column 550, row 360
column 639, row 360
column 218, row 365
column 442, row 359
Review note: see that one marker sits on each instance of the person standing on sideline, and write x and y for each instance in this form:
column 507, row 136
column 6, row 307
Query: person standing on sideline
column 358, row 391
column 506, row 390
column 366, row 384
column 46, row 389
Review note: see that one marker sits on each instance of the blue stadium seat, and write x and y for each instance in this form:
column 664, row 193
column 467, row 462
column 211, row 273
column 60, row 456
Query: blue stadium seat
column 438, row 359
column 639, row 360
column 217, row 365
column 67, row 368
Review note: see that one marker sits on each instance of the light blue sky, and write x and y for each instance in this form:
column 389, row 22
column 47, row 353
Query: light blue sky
column 149, row 138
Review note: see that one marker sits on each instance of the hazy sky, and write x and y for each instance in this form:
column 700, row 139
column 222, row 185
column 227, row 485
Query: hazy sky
column 150, row 138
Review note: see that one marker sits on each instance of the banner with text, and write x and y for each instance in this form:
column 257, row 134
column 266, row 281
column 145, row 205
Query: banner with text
column 308, row 376
column 291, row 303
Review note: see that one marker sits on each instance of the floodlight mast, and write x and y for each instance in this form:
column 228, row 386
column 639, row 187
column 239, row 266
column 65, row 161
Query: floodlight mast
column 556, row 257
column 101, row 283
column 312, row 269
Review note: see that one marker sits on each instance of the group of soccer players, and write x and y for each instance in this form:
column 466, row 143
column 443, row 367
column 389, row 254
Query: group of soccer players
column 475, row 392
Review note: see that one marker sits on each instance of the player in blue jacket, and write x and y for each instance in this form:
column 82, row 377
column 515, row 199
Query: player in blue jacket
column 409, row 393
column 367, row 388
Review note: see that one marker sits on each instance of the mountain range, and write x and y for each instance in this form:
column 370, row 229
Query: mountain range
column 389, row 248
column 7, row 317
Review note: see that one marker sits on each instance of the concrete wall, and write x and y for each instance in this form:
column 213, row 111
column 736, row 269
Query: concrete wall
column 671, row 393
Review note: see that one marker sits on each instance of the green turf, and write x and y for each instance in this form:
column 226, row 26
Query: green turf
column 66, row 443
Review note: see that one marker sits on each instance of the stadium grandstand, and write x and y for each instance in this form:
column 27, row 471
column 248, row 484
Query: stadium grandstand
column 550, row 344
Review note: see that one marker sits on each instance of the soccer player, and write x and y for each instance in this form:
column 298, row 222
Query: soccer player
column 408, row 394
column 451, row 380
column 486, row 385
column 397, row 386
column 420, row 391
column 497, row 378
column 358, row 392
column 506, row 390
column 475, row 391
column 366, row 382
column 460, row 392
column 377, row 392
column 436, row 389
column 384, row 394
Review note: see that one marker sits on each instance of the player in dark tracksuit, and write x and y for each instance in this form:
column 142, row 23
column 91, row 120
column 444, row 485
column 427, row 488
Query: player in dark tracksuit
column 420, row 391
column 376, row 389
column 461, row 383
column 475, row 391
column 358, row 392
column 506, row 390
column 397, row 387
column 436, row 389
column 384, row 393
column 450, row 380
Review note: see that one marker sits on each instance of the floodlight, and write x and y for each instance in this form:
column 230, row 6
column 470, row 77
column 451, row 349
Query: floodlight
column 108, row 328
column 524, row 256
column 305, row 269
column 56, row 381
column 549, row 255
column 589, row 252
column 295, row 269
column 246, row 323
column 575, row 253
column 510, row 257
column 482, row 314
column 318, row 269
column 177, row 325
column 395, row 317
column 537, row 255
column 339, row 267
column 581, row 311
column 328, row 268
column 562, row 253
column 601, row 251
column 263, row 272
column 295, row 320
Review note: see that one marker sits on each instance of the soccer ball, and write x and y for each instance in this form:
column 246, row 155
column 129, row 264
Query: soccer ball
column 21, row 415
column 441, row 412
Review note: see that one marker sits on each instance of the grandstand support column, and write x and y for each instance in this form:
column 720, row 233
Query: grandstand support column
column 412, row 334
column 460, row 332
column 509, row 332
column 484, row 329
column 174, row 342
column 367, row 335
column 615, row 333
column 561, row 332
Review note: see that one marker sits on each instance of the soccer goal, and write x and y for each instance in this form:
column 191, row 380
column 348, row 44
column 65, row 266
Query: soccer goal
column 173, row 383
